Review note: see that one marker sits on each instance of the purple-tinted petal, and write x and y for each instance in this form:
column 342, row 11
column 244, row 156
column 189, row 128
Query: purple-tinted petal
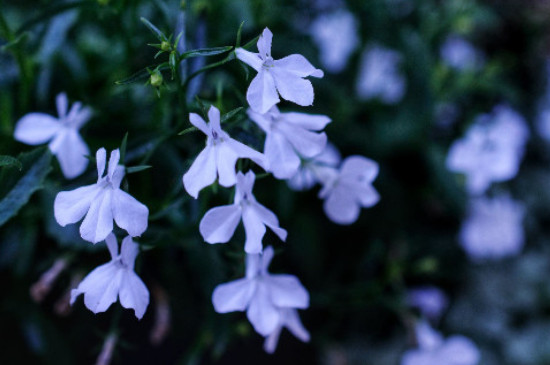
column 264, row 43
column 282, row 159
column 292, row 88
column 98, row 223
column 71, row 206
column 226, row 159
column 129, row 214
column 312, row 122
column 101, row 159
column 71, row 151
column 263, row 315
column 214, row 118
column 262, row 93
column 113, row 162
column 62, row 104
column 251, row 59
column 112, row 245
column 287, row 291
column 198, row 122
column 133, row 293
column 243, row 151
column 128, row 252
column 202, row 172
column 233, row 296
column 269, row 219
column 298, row 65
column 36, row 128
column 218, row 224
column 308, row 144
column 294, row 324
column 341, row 207
column 254, row 229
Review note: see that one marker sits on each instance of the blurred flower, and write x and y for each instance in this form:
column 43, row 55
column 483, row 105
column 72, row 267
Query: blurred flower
column 431, row 301
column 317, row 169
column 65, row 141
column 290, row 136
column 262, row 295
column 434, row 350
column 379, row 76
column 460, row 54
column 493, row 228
column 285, row 76
column 347, row 190
column 290, row 319
column 336, row 36
column 219, row 156
column 491, row 150
column 43, row 286
column 218, row 224
column 101, row 203
column 115, row 279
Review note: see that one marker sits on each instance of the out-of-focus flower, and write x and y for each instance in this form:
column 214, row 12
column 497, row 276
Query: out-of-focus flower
column 290, row 137
column 379, row 76
column 336, row 36
column 219, row 156
column 101, row 203
column 290, row 319
column 62, row 133
column 285, row 76
column 491, row 150
column 349, row 189
column 434, row 350
column 261, row 294
column 493, row 228
column 460, row 54
column 317, row 169
column 431, row 301
column 117, row 278
column 218, row 224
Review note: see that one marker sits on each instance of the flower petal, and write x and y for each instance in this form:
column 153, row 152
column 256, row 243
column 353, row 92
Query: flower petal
column 100, row 287
column 294, row 324
column 293, row 88
column 129, row 252
column 233, row 296
column 359, row 168
column 98, row 223
column 262, row 93
column 201, row 173
column 461, row 350
column 129, row 214
column 255, row 231
column 112, row 245
column 271, row 340
column 298, row 65
column 313, row 122
column 226, row 159
column 307, row 143
column 214, row 118
column 264, row 43
column 36, row 128
column 218, row 224
column 262, row 120
column 263, row 315
column 287, row 291
column 198, row 122
column 71, row 152
column 267, row 256
column 78, row 116
column 62, row 104
column 341, row 207
column 269, row 219
column 133, row 293
column 113, row 162
column 70, row 206
column 101, row 159
column 281, row 157
column 251, row 59
column 243, row 151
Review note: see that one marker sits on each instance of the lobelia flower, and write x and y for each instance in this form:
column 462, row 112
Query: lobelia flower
column 317, row 169
column 347, row 190
column 219, row 156
column 117, row 278
column 262, row 295
column 284, row 76
column 434, row 350
column 290, row 319
column 493, row 228
column 101, row 203
column 460, row 54
column 65, row 141
column 218, row 224
column 431, row 301
column 290, row 137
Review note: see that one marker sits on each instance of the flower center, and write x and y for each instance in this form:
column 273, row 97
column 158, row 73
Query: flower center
column 268, row 63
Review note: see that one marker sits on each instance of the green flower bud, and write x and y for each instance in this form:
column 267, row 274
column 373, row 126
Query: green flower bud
column 165, row 46
column 156, row 78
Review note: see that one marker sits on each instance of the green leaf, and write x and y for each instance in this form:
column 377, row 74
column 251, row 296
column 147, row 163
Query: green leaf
column 231, row 114
column 239, row 33
column 143, row 74
column 17, row 188
column 131, row 170
column 123, row 148
column 8, row 161
column 154, row 30
column 188, row 130
column 205, row 52
column 15, row 42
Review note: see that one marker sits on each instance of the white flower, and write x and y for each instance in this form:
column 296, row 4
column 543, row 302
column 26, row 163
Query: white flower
column 117, row 278
column 101, row 203
column 379, row 76
column 65, row 141
column 290, row 319
column 219, row 223
column 431, row 301
column 434, row 350
column 493, row 228
column 261, row 294
column 219, row 156
column 458, row 53
column 491, row 150
column 285, row 76
column 336, row 36
column 317, row 169
column 349, row 189
column 290, row 137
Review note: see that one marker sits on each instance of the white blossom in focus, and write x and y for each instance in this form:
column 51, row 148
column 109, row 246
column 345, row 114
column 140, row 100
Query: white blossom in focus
column 290, row 137
column 289, row 318
column 218, row 224
column 285, row 76
column 117, row 278
column 379, row 76
column 493, row 228
column 318, row 169
column 262, row 295
column 62, row 133
column 460, row 54
column 431, row 301
column 218, row 158
column 347, row 190
column 102, row 203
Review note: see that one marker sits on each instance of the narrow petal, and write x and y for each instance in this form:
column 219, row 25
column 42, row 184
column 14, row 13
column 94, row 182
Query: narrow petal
column 251, row 59
column 98, row 223
column 71, row 154
column 62, row 104
column 262, row 120
column 133, row 293
column 262, row 93
column 202, row 172
column 269, row 219
column 70, row 206
column 101, row 159
column 233, row 296
column 340, row 207
column 198, row 122
column 112, row 245
column 294, row 325
column 79, row 117
column 36, row 128
column 214, row 118
column 129, row 214
column 264, row 43
column 271, row 341
column 226, row 159
column 298, row 65
column 245, row 184
column 113, row 162
column 243, row 151
column 117, row 176
column 281, row 156
column 307, row 143
column 219, row 223
column 293, row 88
column 261, row 313
column 267, row 256
column 253, row 265
column 129, row 252
column 255, row 231
column 313, row 122
column 287, row 291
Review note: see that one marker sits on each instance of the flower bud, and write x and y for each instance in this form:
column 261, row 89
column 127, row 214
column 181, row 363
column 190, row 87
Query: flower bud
column 165, row 46
column 156, row 78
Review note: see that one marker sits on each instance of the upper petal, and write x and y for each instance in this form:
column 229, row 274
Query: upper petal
column 293, row 88
column 128, row 252
column 251, row 59
column 62, row 104
column 133, row 293
column 298, row 65
column 36, row 128
column 113, row 162
column 78, row 116
column 71, row 154
column 214, row 118
column 112, row 245
column 198, row 122
column 98, row 223
column 233, row 296
column 287, row 291
column 101, row 159
column 218, row 224
column 255, row 231
column 262, row 93
column 264, row 43
column 70, row 206
column 201, row 173
column 129, row 214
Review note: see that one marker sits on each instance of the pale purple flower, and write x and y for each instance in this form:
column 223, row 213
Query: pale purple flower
column 289, row 138
column 102, row 203
column 218, row 224
column 289, row 318
column 460, row 54
column 285, row 77
column 218, row 158
column 347, row 190
column 492, row 149
column 379, row 76
column 62, row 133
column 493, row 228
column 431, row 301
column 261, row 294
column 115, row 279
column 316, row 170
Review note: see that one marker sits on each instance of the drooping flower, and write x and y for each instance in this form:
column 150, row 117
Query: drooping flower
column 492, row 149
column 347, row 190
column 285, row 77
column 316, row 170
column 460, row 54
column 290, row 137
column 101, row 203
column 290, row 319
column 115, row 279
column 62, row 133
column 218, row 224
column 493, row 228
column 219, row 156
column 261, row 294
column 431, row 301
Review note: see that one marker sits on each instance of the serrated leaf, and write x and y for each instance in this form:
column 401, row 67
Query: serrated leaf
column 231, row 114
column 142, row 75
column 18, row 187
column 205, row 52
column 131, row 170
column 8, row 161
column 154, row 29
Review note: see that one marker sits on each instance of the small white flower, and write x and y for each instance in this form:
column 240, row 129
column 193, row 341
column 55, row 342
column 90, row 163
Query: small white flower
column 285, row 76
column 290, row 319
column 65, row 141
column 290, row 137
column 101, row 203
column 117, row 278
column 431, row 301
column 460, row 54
column 317, row 169
column 219, row 223
column 261, row 294
column 349, row 189
column 219, row 156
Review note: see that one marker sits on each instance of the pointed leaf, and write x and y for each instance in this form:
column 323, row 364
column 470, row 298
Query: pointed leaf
column 8, row 161
column 154, row 30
